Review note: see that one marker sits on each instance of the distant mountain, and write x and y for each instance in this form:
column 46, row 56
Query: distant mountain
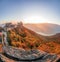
column 44, row 28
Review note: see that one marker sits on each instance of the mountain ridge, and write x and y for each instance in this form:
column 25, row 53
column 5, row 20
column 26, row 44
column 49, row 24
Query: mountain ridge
column 46, row 29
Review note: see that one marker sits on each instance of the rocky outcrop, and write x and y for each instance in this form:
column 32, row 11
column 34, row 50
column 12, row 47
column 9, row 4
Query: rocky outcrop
column 12, row 54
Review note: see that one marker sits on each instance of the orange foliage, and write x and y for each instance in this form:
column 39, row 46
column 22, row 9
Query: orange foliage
column 27, row 39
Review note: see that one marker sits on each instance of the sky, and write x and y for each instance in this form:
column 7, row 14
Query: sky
column 30, row 11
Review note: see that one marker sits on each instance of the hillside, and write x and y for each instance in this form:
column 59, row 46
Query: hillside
column 22, row 37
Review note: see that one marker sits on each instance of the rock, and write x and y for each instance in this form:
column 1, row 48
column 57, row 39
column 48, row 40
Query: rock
column 21, row 55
